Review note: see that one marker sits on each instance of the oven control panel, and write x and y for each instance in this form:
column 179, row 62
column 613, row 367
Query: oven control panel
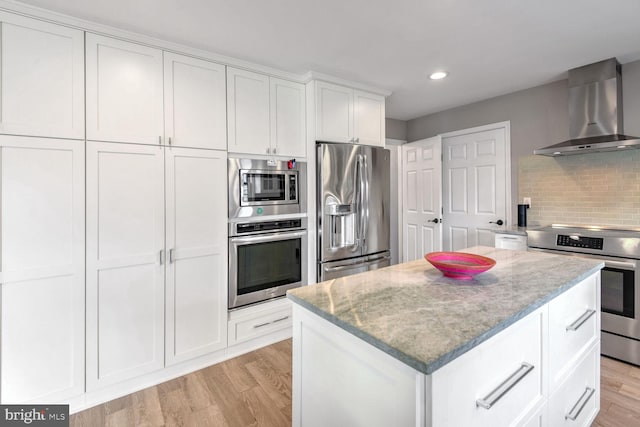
column 580, row 241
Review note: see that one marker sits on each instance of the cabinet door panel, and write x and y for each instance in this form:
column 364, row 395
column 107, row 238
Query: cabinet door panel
column 125, row 272
column 248, row 112
column 196, row 316
column 287, row 118
column 42, row 248
column 334, row 113
column 42, row 79
column 195, row 102
column 124, row 91
column 369, row 126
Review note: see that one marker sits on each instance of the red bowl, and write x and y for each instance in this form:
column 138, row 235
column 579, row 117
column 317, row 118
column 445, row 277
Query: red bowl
column 459, row 265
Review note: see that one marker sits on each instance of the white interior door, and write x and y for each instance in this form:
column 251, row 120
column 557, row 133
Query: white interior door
column 196, row 291
column 421, row 198
column 475, row 186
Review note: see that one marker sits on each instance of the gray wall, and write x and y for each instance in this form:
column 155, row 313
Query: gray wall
column 538, row 116
column 396, row 129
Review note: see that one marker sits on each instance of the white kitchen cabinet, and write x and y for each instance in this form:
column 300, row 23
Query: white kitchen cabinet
column 42, row 290
column 287, row 118
column 124, row 91
column 347, row 115
column 195, row 103
column 196, row 281
column 368, row 118
column 266, row 115
column 42, row 78
column 248, row 112
column 125, row 261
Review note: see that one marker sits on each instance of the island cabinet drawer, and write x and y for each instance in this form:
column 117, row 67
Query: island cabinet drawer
column 573, row 326
column 576, row 401
column 253, row 322
column 498, row 383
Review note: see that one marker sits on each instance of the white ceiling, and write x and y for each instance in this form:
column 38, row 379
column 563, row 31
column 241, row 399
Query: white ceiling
column 489, row 47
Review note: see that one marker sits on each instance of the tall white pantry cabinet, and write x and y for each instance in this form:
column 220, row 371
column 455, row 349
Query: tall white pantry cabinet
column 41, row 210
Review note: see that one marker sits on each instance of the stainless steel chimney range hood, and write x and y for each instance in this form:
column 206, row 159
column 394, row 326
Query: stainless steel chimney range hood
column 595, row 112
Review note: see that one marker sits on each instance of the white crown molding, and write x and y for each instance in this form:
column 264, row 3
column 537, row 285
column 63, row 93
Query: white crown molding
column 314, row 75
column 106, row 30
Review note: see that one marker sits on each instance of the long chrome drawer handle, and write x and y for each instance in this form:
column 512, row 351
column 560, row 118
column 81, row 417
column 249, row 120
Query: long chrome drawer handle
column 580, row 321
column 580, row 404
column 506, row 385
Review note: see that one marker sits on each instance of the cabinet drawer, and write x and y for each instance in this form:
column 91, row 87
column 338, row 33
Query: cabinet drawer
column 573, row 326
column 244, row 326
column 577, row 400
column 462, row 387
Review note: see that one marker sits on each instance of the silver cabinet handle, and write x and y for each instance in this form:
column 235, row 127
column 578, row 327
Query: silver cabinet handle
column 169, row 140
column 274, row 151
column 357, row 140
column 161, row 256
column 261, row 325
column 508, row 238
column 489, row 400
column 268, row 150
column 580, row 320
column 160, row 140
column 580, row 404
column 171, row 256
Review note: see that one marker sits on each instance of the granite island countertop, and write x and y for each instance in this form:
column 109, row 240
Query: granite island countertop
column 426, row 320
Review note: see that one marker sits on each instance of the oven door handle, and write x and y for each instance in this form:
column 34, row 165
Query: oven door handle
column 620, row 264
column 258, row 238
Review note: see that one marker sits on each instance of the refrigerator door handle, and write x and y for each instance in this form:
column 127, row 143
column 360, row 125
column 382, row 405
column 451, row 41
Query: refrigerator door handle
column 356, row 264
column 365, row 204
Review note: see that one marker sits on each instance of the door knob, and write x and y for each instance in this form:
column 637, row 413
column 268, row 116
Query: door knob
column 435, row 220
column 498, row 222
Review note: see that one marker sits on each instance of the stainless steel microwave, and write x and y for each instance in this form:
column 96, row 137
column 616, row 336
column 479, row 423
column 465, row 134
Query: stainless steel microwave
column 266, row 187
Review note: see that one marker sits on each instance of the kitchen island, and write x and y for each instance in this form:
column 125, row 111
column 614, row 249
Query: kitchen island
column 405, row 346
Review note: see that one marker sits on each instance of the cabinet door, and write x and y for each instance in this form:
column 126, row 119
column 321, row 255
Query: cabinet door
column 196, row 291
column 368, row 124
column 125, row 261
column 334, row 113
column 195, row 108
column 248, row 112
column 42, row 78
column 287, row 118
column 42, row 291
column 124, row 91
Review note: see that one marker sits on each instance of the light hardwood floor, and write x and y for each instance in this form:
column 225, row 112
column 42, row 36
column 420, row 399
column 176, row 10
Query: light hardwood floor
column 255, row 390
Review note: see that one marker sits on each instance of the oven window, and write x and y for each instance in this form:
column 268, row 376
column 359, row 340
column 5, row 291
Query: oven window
column 267, row 265
column 618, row 292
column 263, row 187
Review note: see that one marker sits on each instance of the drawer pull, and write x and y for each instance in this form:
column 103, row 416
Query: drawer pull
column 580, row 321
column 580, row 404
column 506, row 385
column 270, row 323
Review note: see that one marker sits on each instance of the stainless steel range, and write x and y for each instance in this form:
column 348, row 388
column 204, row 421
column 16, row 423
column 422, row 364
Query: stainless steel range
column 620, row 251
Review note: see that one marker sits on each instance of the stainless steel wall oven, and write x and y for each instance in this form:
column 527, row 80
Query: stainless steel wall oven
column 266, row 258
column 267, row 229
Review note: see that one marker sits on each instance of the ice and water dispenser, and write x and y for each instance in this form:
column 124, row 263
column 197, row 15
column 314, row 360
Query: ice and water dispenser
column 342, row 225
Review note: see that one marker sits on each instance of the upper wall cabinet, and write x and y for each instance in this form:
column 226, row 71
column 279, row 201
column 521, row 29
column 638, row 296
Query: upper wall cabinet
column 124, row 91
column 42, row 78
column 195, row 109
column 266, row 114
column 348, row 115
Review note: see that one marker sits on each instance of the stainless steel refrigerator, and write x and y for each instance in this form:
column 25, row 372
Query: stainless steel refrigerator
column 353, row 209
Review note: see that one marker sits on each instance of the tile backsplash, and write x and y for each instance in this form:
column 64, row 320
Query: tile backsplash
column 593, row 189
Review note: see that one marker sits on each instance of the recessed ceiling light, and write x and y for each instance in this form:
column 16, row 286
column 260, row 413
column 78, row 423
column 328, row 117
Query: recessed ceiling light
column 438, row 75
